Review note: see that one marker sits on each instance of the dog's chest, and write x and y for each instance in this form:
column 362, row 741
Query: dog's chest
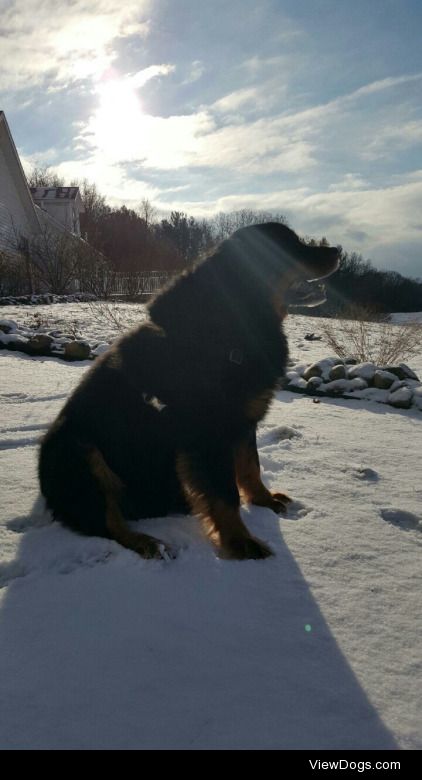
column 256, row 408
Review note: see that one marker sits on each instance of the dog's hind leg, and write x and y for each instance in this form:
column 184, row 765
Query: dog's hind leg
column 208, row 480
column 248, row 476
column 111, row 487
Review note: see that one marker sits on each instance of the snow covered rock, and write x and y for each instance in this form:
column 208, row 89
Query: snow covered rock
column 401, row 398
column 321, row 368
column 417, row 397
column 299, row 382
column 357, row 384
column 337, row 372
column 338, row 386
column 314, row 383
column 12, row 341
column 313, row 370
column 8, row 326
column 333, row 377
column 402, row 371
column 363, row 370
column 100, row 348
column 383, row 379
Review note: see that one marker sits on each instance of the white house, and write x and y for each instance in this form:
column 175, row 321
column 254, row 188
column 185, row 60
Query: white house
column 64, row 204
column 25, row 213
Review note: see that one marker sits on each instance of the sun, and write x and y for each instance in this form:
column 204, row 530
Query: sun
column 119, row 119
column 121, row 131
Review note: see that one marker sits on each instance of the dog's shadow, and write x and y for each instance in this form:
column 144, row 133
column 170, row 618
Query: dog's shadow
column 101, row 649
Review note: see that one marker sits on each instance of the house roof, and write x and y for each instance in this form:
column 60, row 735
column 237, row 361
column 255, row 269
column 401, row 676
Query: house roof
column 32, row 198
column 12, row 157
column 55, row 193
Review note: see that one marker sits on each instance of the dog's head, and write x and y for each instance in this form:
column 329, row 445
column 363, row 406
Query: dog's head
column 285, row 262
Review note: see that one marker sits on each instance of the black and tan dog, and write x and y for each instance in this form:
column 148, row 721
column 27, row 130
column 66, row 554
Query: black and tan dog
column 165, row 421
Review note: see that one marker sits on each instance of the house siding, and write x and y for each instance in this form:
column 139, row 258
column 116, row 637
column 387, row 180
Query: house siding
column 13, row 218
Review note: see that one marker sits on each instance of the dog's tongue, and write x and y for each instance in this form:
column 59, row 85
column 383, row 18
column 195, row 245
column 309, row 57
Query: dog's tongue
column 305, row 294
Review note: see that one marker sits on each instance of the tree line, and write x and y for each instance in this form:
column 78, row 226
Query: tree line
column 132, row 241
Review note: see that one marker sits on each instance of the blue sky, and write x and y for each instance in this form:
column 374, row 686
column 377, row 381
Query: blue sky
column 308, row 107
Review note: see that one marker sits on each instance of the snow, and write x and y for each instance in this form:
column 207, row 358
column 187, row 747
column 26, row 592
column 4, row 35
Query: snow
column 317, row 647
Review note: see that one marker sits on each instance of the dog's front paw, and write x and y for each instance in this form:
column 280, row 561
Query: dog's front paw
column 279, row 502
column 248, row 547
column 148, row 547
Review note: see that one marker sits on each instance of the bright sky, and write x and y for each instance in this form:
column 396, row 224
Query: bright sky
column 308, row 107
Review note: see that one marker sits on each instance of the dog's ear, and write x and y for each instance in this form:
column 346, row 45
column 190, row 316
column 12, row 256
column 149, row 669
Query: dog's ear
column 279, row 248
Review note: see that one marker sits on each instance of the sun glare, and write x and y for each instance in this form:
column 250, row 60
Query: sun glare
column 117, row 124
column 121, row 130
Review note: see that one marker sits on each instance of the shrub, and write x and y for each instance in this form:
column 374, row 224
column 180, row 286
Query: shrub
column 365, row 335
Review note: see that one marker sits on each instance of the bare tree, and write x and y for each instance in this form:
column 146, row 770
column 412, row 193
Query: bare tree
column 365, row 334
column 227, row 222
column 55, row 259
column 147, row 212
column 44, row 176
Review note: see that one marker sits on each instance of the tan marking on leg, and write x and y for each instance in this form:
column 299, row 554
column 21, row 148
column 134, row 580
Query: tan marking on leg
column 251, row 487
column 111, row 485
column 223, row 524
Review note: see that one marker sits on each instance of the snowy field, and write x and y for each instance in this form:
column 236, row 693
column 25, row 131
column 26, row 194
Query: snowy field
column 317, row 647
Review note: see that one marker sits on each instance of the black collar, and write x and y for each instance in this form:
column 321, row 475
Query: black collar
column 236, row 356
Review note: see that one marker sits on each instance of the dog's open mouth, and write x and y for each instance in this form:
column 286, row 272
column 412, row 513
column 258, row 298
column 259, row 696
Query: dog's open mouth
column 305, row 294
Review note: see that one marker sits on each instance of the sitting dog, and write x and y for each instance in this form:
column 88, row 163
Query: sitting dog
column 165, row 421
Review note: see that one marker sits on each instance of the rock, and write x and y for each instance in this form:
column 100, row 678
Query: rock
column 77, row 350
column 383, row 379
column 402, row 371
column 350, row 361
column 363, row 370
column 312, row 371
column 314, row 382
column 337, row 372
column 298, row 382
column 401, row 398
column 398, row 383
column 338, row 386
column 357, row 384
column 13, row 341
column 100, row 348
column 373, row 394
column 417, row 397
column 321, row 368
column 8, row 326
column 40, row 344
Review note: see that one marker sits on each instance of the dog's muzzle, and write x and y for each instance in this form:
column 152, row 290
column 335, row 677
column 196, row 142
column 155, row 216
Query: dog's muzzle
column 305, row 294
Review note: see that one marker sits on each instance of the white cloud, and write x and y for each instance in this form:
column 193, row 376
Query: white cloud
column 63, row 40
column 140, row 78
column 350, row 181
column 381, row 84
column 197, row 70
column 234, row 100
column 363, row 220
column 398, row 135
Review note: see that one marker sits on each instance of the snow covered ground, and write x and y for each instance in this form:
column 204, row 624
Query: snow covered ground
column 318, row 647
